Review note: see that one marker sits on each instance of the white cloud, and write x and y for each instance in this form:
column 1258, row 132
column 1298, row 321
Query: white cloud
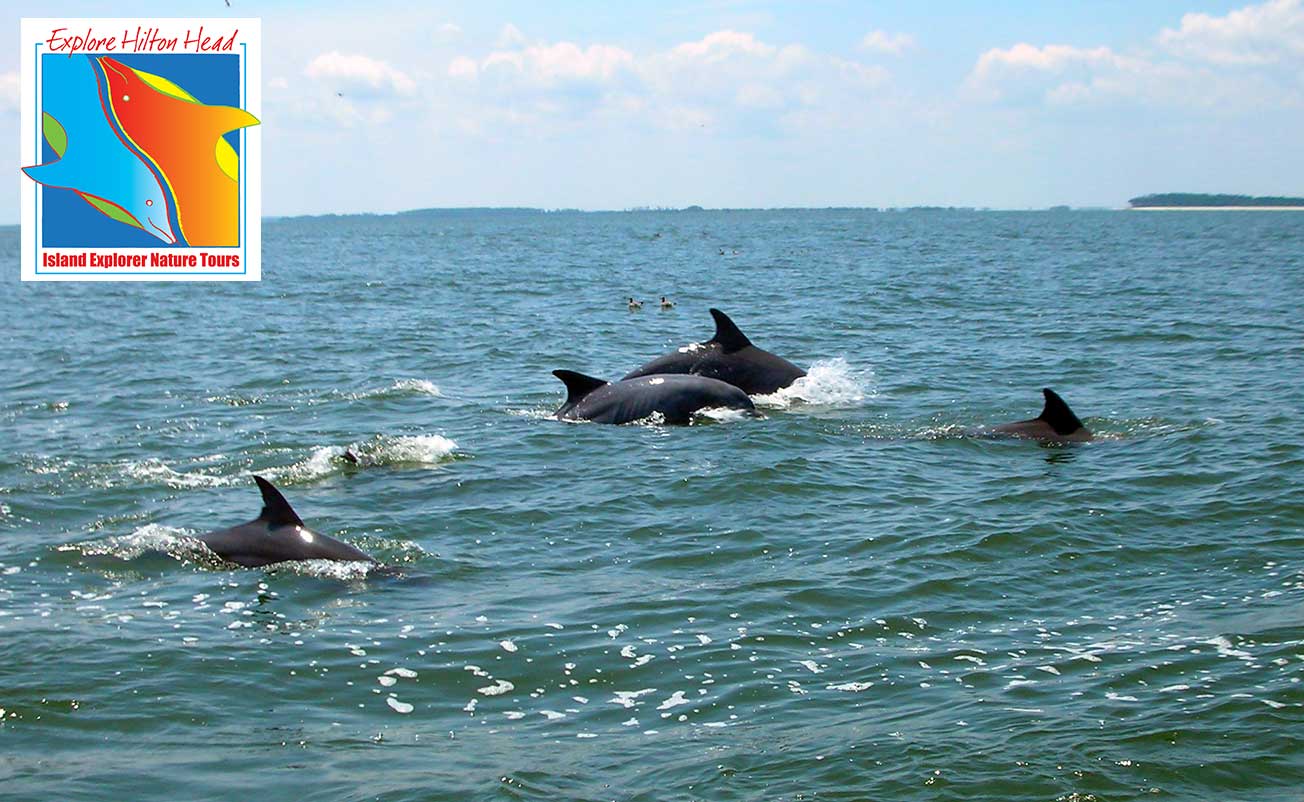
column 721, row 46
column 9, row 92
column 546, row 66
column 726, row 78
column 1271, row 33
column 448, row 32
column 893, row 44
column 1251, row 58
column 359, row 75
column 1028, row 72
column 463, row 68
column 510, row 36
column 731, row 70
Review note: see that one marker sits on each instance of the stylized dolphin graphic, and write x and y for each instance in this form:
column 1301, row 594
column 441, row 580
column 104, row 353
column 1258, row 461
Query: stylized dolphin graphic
column 182, row 138
column 94, row 161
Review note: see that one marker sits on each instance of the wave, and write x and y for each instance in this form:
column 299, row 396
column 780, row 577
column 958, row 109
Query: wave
column 178, row 543
column 400, row 387
column 379, row 451
column 155, row 470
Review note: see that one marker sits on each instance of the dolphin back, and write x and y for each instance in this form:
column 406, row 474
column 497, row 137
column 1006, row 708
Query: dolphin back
column 277, row 535
column 1055, row 424
column 676, row 398
column 728, row 356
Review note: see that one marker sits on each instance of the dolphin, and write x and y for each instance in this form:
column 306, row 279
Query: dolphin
column 730, row 357
column 1055, row 424
column 278, row 534
column 675, row 397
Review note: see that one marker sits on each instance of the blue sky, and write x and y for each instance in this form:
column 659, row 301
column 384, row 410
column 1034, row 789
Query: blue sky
column 603, row 105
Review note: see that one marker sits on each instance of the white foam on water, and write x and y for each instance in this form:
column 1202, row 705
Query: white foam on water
column 676, row 699
column 507, row 645
column 381, row 450
column 653, row 420
column 170, row 540
column 320, row 463
column 500, row 687
column 350, row 571
column 629, row 698
column 721, row 415
column 154, row 470
column 828, row 382
column 1225, row 649
column 851, row 687
column 538, row 413
column 399, row 387
column 405, row 673
column 425, row 449
column 398, row 707
column 418, row 386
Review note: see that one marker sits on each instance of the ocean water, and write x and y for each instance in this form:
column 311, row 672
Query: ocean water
column 851, row 599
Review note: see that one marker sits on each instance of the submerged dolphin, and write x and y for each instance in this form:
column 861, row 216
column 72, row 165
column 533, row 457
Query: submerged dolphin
column 675, row 397
column 1055, row 424
column 730, row 357
column 277, row 535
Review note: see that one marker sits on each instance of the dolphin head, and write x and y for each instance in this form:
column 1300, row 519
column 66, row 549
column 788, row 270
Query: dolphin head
column 147, row 208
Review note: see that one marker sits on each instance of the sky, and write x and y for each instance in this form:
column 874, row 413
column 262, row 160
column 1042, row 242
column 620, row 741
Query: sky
column 381, row 106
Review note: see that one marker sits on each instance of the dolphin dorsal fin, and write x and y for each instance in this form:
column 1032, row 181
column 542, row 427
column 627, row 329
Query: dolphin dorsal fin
column 577, row 384
column 1057, row 414
column 727, row 335
column 276, row 510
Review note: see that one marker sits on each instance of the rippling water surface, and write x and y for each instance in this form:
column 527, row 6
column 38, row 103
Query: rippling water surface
column 851, row 599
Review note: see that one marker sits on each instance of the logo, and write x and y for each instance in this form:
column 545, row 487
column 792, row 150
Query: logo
column 140, row 150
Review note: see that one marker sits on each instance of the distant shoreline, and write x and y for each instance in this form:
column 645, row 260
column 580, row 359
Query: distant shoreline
column 1191, row 201
column 1215, row 209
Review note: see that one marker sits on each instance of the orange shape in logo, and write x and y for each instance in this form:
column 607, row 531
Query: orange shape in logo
column 181, row 138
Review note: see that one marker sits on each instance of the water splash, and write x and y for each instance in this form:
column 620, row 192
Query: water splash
column 401, row 387
column 380, row 451
column 180, row 544
column 829, row 382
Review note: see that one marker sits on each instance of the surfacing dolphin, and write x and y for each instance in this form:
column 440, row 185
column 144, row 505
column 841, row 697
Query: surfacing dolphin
column 1055, row 424
column 675, row 397
column 730, row 357
column 277, row 535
